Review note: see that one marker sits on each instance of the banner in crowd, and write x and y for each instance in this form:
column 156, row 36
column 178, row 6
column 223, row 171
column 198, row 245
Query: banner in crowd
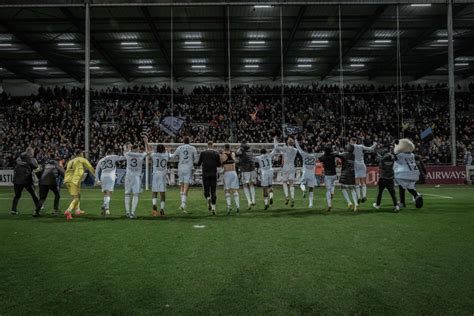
column 6, row 177
column 172, row 124
column 289, row 130
column 434, row 175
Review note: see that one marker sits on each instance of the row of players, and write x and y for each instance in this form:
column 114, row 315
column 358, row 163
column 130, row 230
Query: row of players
column 352, row 178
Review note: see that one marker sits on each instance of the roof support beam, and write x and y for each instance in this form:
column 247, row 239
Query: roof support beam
column 159, row 41
column 367, row 26
column 43, row 51
column 290, row 39
column 426, row 34
column 226, row 51
column 79, row 25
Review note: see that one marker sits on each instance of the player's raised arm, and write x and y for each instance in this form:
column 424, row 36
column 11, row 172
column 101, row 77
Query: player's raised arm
column 147, row 146
column 98, row 168
column 275, row 144
column 297, row 144
column 371, row 148
column 88, row 165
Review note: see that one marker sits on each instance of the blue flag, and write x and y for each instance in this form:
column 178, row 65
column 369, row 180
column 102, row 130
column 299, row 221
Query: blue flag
column 172, row 124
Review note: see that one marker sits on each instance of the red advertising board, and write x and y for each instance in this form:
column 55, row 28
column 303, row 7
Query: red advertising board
column 435, row 175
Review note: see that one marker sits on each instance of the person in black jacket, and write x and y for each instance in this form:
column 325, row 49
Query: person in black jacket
column 386, row 176
column 246, row 165
column 347, row 178
column 329, row 163
column 23, row 177
column 210, row 160
column 48, row 177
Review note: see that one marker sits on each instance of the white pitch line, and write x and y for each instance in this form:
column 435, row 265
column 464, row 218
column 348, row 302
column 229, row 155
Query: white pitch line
column 440, row 196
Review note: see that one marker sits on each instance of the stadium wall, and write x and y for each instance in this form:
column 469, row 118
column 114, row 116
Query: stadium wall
column 24, row 88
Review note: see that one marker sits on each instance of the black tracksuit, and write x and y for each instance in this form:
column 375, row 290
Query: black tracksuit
column 48, row 181
column 210, row 160
column 347, row 170
column 386, row 175
column 246, row 162
column 23, row 179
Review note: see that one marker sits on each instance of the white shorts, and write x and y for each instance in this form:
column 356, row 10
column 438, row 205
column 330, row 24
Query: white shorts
column 158, row 183
column 330, row 182
column 249, row 176
column 185, row 175
column 133, row 184
column 267, row 178
column 308, row 178
column 360, row 169
column 231, row 180
column 107, row 182
column 288, row 174
column 406, row 184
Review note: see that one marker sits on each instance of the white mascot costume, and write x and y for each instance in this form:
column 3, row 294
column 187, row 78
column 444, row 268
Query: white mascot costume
column 406, row 171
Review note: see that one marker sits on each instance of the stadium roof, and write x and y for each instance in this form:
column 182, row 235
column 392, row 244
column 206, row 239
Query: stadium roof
column 133, row 39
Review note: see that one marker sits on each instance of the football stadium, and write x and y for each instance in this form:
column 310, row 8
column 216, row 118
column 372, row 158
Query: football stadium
column 237, row 157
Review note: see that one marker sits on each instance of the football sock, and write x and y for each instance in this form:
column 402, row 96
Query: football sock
column 183, row 199
column 346, row 196
column 78, row 205
column 162, row 205
column 292, row 192
column 134, row 203
column 285, row 189
column 271, row 195
column 107, row 202
column 358, row 190
column 227, row 199
column 328, row 197
column 127, row 203
column 265, row 200
column 311, row 199
column 354, row 197
column 153, row 201
column 364, row 191
column 236, row 199
column 213, row 207
column 247, row 194
column 252, row 193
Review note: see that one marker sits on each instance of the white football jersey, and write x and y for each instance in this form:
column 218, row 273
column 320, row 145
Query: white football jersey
column 359, row 152
column 160, row 161
column 405, row 167
column 134, row 163
column 187, row 156
column 289, row 156
column 265, row 161
column 108, row 165
column 309, row 160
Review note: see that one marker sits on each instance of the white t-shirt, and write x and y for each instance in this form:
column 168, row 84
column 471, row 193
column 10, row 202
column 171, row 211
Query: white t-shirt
column 289, row 156
column 134, row 163
column 160, row 161
column 108, row 165
column 187, row 156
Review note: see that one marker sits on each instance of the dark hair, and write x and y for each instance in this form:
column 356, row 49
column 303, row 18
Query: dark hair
column 160, row 148
column 135, row 146
column 327, row 149
column 77, row 152
column 354, row 139
column 186, row 140
column 110, row 151
column 227, row 146
column 350, row 148
column 263, row 151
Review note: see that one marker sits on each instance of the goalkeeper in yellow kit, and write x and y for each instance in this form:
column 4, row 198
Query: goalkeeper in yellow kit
column 75, row 170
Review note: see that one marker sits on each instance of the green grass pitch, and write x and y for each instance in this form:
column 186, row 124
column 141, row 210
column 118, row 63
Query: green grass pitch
column 282, row 261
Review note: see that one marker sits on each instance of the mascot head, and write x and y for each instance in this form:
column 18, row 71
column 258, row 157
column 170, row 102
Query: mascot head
column 404, row 145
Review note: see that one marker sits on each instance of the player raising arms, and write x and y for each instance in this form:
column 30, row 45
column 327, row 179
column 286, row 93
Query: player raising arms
column 309, row 162
column 329, row 163
column 347, row 179
column 133, row 176
column 360, row 169
column 249, row 175
column 75, row 170
column 106, row 174
column 160, row 169
column 187, row 158
column 266, row 173
column 231, row 180
column 288, row 171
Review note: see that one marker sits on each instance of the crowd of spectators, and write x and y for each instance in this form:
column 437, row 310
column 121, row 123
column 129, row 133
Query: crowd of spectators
column 53, row 119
